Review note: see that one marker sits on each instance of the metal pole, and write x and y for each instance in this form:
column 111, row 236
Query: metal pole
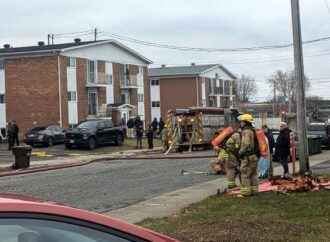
column 301, row 101
column 95, row 34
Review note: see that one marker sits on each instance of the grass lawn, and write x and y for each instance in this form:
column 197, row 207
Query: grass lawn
column 266, row 217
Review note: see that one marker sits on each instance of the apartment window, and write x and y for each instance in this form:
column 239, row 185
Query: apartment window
column 71, row 62
column 2, row 98
column 72, row 96
column 203, row 103
column 227, row 87
column 140, row 70
column 108, row 79
column 154, row 82
column 92, row 70
column 2, row 64
column 155, row 104
column 140, row 98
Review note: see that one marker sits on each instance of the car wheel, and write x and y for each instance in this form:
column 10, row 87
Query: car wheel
column 50, row 142
column 91, row 143
column 119, row 140
column 68, row 146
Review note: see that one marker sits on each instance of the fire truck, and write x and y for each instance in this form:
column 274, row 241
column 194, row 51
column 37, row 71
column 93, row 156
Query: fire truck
column 197, row 126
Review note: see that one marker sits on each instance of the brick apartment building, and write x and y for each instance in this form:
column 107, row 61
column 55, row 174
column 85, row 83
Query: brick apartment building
column 66, row 83
column 187, row 86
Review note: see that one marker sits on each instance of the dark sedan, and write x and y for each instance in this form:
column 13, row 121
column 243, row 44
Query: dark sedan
column 46, row 135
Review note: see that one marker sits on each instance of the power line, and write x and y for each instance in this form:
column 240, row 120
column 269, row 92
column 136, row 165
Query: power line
column 326, row 4
column 187, row 48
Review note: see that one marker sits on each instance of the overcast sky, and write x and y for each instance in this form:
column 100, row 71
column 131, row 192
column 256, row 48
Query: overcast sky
column 195, row 23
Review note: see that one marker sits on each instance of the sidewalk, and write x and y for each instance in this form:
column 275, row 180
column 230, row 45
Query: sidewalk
column 172, row 202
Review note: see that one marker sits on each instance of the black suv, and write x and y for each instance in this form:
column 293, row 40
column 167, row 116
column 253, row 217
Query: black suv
column 91, row 133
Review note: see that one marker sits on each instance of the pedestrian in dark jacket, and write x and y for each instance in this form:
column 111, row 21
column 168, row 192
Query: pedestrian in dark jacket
column 15, row 133
column 282, row 148
column 161, row 125
column 150, row 136
column 139, row 132
column 154, row 125
column 10, row 136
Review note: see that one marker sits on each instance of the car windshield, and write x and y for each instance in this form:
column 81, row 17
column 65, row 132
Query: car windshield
column 87, row 125
column 38, row 128
column 316, row 127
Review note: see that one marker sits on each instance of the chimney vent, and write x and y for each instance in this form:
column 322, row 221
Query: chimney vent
column 163, row 65
column 41, row 43
column 193, row 63
column 6, row 46
column 77, row 40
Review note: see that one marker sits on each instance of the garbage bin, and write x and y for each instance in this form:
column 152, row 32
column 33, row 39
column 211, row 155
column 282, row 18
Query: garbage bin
column 314, row 145
column 22, row 156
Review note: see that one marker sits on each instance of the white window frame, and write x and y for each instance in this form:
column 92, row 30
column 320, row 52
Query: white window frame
column 2, row 98
column 140, row 70
column 154, row 82
column 2, row 64
column 71, row 62
column 108, row 78
column 140, row 98
column 95, row 71
column 155, row 104
column 72, row 96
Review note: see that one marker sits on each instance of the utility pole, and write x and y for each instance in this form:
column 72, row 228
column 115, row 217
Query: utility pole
column 301, row 100
column 95, row 34
column 48, row 39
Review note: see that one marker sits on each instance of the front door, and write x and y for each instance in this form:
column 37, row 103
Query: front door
column 125, row 115
column 92, row 103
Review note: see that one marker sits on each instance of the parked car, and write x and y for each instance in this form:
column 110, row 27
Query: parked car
column 91, row 133
column 320, row 129
column 45, row 135
column 26, row 219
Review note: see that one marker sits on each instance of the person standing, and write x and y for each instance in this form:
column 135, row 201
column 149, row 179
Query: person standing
column 248, row 156
column 130, row 128
column 282, row 148
column 164, row 137
column 139, row 132
column 228, row 156
column 271, row 143
column 15, row 133
column 10, row 136
column 161, row 125
column 150, row 136
column 154, row 125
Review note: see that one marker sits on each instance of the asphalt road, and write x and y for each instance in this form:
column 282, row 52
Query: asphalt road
column 108, row 185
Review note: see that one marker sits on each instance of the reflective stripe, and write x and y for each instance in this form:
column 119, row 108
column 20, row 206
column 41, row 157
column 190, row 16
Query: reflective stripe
column 246, row 188
column 254, row 188
column 231, row 184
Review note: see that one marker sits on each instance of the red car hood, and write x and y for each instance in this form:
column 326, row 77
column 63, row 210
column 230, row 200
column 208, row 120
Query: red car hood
column 18, row 203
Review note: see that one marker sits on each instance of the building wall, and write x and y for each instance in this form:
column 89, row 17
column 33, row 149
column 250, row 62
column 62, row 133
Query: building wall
column 177, row 93
column 82, row 97
column 32, row 97
column 147, row 100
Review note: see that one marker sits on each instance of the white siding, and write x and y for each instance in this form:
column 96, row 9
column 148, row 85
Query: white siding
column 2, row 105
column 72, row 80
column 155, row 113
column 141, row 92
column 203, row 89
column 72, row 87
column 109, row 88
column 218, row 101
column 154, row 93
column 221, row 74
column 73, row 112
column 2, row 81
column 106, row 52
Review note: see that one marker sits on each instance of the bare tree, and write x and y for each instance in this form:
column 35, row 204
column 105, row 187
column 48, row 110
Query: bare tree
column 284, row 83
column 246, row 88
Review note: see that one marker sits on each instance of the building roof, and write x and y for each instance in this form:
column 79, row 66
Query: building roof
column 38, row 49
column 180, row 70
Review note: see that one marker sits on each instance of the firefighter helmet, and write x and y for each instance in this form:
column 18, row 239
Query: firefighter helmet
column 245, row 117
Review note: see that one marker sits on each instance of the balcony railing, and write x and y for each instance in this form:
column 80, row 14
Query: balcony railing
column 128, row 81
column 98, row 79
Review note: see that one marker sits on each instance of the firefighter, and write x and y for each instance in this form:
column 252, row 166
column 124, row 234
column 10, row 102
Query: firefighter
column 228, row 156
column 248, row 157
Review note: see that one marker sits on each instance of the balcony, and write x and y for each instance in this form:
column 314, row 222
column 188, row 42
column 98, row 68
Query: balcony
column 128, row 81
column 98, row 79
